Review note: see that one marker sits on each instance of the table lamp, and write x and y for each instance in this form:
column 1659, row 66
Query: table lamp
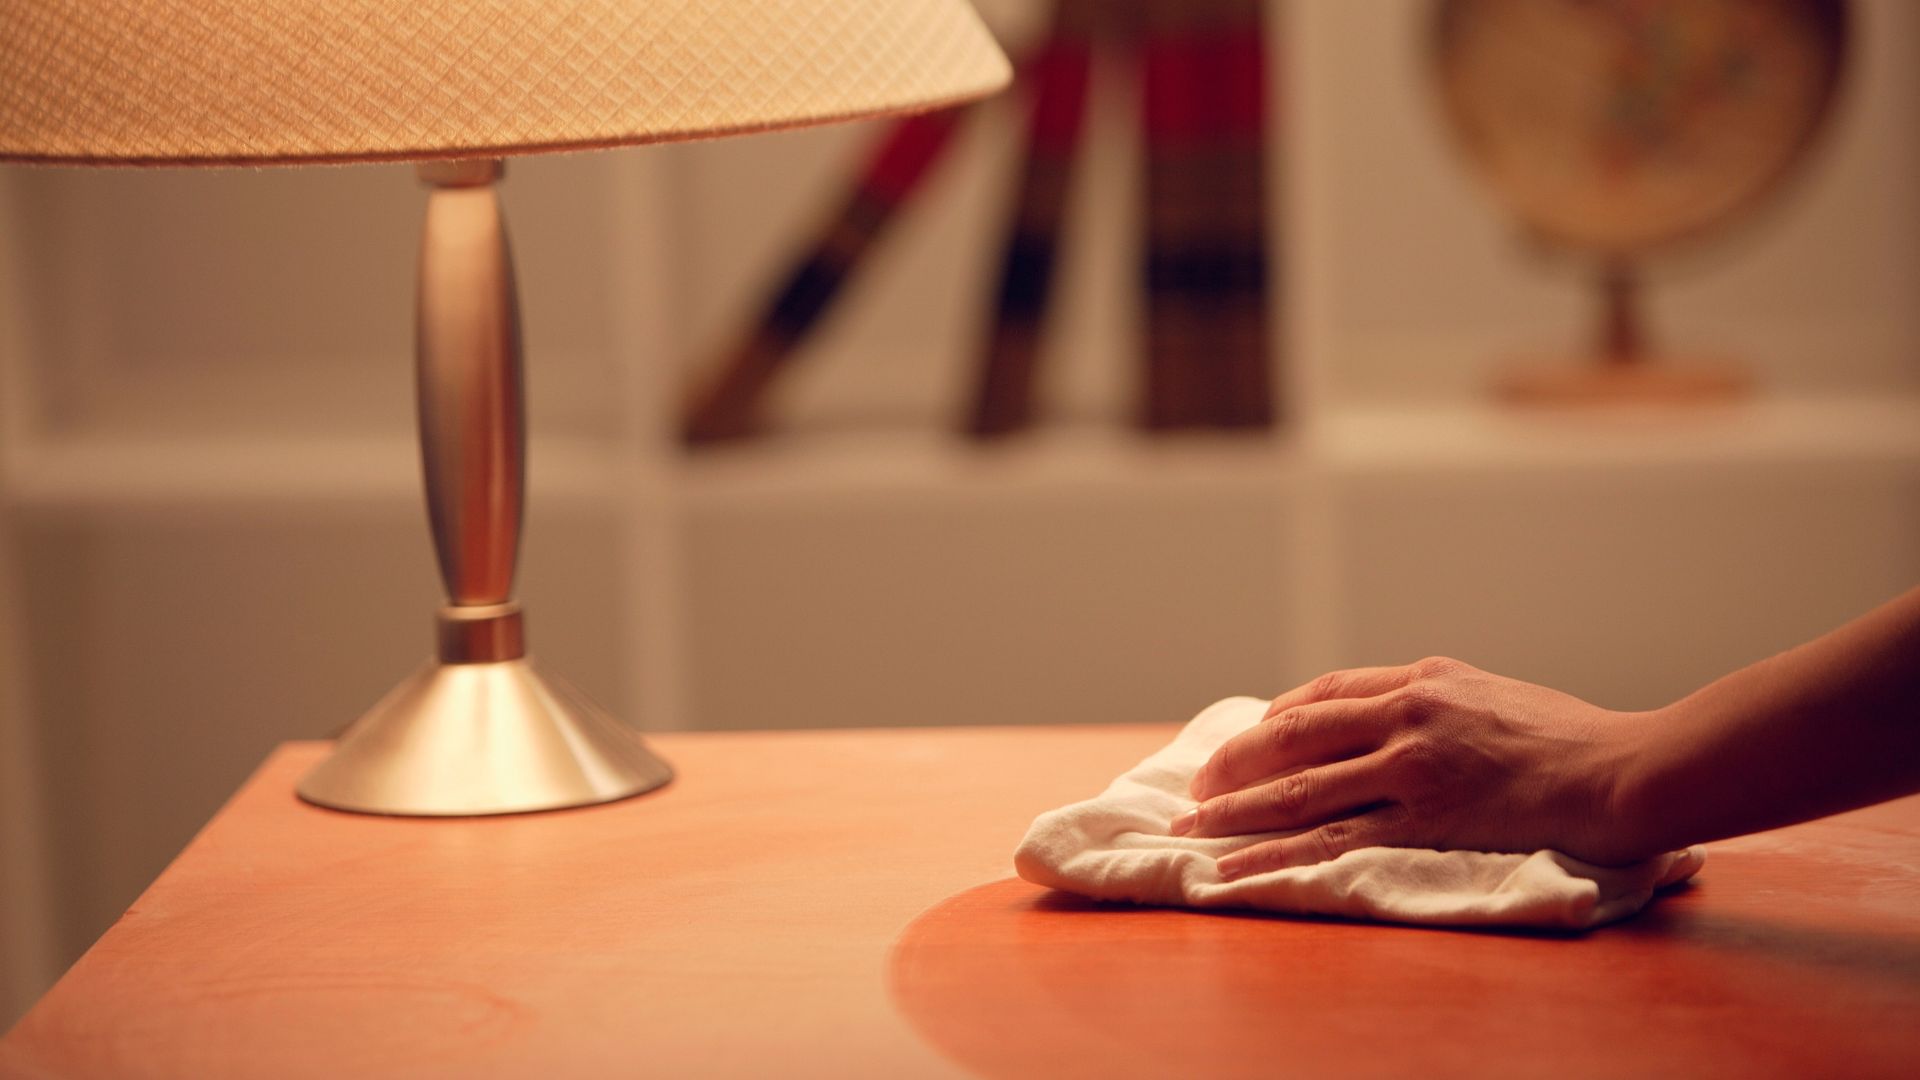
column 456, row 85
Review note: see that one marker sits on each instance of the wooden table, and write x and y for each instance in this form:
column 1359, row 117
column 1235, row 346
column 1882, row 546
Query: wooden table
column 837, row 904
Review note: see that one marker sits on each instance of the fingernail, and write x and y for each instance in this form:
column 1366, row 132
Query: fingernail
column 1230, row 867
column 1183, row 824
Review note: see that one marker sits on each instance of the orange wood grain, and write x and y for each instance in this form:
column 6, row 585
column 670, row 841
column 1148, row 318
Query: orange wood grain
column 735, row 922
column 831, row 903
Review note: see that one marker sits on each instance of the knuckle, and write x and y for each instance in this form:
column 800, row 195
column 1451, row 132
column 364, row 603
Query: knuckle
column 1397, row 825
column 1410, row 764
column 1291, row 795
column 1418, row 702
column 1333, row 839
column 1324, row 686
column 1219, row 816
column 1436, row 667
column 1284, row 729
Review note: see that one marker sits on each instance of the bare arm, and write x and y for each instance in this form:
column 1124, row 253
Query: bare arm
column 1829, row 726
column 1438, row 754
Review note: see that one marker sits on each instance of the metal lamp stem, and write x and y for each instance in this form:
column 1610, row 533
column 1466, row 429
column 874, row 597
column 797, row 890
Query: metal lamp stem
column 472, row 410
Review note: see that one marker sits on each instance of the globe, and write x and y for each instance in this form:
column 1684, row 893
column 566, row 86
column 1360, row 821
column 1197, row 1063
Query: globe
column 1617, row 129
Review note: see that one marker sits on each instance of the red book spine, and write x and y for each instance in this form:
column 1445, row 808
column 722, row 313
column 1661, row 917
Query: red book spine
column 1238, row 61
column 1204, row 93
column 1173, row 120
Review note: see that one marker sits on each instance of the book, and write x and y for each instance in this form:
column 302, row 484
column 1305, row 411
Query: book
column 1237, row 56
column 1057, row 81
column 1203, row 112
column 728, row 404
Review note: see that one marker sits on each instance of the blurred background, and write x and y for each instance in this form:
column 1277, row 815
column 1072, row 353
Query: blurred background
column 214, row 541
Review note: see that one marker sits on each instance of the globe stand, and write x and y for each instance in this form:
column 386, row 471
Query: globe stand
column 1624, row 371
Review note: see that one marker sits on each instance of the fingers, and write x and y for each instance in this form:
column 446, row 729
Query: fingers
column 1295, row 801
column 1387, row 826
column 1353, row 683
column 1306, row 735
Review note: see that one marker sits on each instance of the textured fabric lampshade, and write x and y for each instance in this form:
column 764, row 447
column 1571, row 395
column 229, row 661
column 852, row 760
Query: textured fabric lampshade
column 264, row 81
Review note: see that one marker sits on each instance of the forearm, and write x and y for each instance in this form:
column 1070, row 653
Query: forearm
column 1829, row 726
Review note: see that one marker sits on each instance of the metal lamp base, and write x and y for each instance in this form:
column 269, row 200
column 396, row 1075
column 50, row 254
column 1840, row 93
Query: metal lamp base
column 483, row 738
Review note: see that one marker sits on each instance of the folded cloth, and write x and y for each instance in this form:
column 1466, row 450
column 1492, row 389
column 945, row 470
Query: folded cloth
column 1116, row 847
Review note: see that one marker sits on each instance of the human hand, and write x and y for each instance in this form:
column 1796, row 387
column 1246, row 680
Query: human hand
column 1435, row 755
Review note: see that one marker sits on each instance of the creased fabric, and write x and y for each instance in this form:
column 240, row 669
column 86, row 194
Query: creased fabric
column 1115, row 846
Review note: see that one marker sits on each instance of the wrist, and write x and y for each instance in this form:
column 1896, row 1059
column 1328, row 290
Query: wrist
column 1614, row 786
column 1647, row 819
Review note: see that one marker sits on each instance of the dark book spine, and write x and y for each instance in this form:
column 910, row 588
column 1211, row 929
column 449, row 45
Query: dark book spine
column 1173, row 118
column 1244, row 320
column 1058, row 79
column 1204, row 94
column 727, row 406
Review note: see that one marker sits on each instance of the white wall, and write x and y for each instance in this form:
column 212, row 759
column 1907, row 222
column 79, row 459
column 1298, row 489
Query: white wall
column 208, row 484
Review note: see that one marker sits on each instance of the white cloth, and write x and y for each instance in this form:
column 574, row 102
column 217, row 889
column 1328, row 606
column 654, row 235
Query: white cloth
column 1116, row 847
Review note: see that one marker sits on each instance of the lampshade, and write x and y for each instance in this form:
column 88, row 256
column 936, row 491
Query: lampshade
column 262, row 81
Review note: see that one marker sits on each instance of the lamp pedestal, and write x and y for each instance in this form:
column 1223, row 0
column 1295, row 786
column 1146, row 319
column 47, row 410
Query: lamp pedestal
column 480, row 730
